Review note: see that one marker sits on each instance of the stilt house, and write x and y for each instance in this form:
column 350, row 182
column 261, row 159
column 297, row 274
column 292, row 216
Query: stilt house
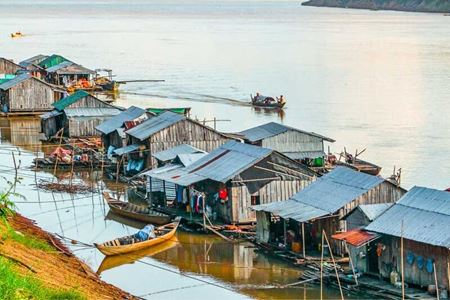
column 321, row 206
column 78, row 114
column 292, row 142
column 421, row 218
column 235, row 176
column 113, row 129
column 168, row 130
column 27, row 94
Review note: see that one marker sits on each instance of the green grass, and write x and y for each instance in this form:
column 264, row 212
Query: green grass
column 27, row 240
column 15, row 286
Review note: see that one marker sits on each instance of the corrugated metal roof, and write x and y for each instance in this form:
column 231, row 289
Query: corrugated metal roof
column 57, row 67
column 15, row 81
column 116, row 122
column 52, row 60
column 220, row 165
column 272, row 129
column 304, row 154
column 91, row 112
column 356, row 237
column 155, row 124
column 187, row 159
column 171, row 153
column 33, row 60
column 127, row 149
column 425, row 214
column 50, row 114
column 66, row 101
column 372, row 211
column 326, row 195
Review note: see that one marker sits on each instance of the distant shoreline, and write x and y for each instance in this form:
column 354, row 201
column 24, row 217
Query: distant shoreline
column 428, row 6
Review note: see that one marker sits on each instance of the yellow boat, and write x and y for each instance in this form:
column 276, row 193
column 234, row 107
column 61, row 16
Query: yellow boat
column 117, row 246
column 16, row 34
column 110, row 262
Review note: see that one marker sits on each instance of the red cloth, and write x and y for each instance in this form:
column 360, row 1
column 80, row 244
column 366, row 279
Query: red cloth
column 223, row 194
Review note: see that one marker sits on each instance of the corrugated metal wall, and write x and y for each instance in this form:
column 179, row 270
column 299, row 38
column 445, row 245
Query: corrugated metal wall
column 293, row 141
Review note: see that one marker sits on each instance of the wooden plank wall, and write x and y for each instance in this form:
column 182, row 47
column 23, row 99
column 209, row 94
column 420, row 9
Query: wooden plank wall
column 89, row 101
column 184, row 132
column 31, row 95
column 8, row 67
column 84, row 126
column 293, row 141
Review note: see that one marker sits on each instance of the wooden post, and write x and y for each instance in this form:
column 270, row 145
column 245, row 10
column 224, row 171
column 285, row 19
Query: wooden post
column 73, row 162
column 150, row 194
column 215, row 123
column 59, row 146
column 334, row 264
column 321, row 269
column 303, row 240
column 448, row 275
column 436, row 281
column 284, row 232
column 165, row 194
column 204, row 213
column 401, row 262
column 351, row 262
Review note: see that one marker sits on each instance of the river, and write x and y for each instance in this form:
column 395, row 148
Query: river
column 369, row 79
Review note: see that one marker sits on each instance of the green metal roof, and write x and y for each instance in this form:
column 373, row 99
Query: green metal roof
column 7, row 77
column 52, row 60
column 64, row 102
column 179, row 110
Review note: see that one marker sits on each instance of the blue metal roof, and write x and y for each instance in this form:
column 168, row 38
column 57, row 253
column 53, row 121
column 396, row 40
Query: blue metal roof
column 425, row 214
column 325, row 196
column 154, row 125
column 173, row 152
column 32, row 60
column 127, row 149
column 15, row 81
column 116, row 122
column 91, row 112
column 272, row 129
column 372, row 211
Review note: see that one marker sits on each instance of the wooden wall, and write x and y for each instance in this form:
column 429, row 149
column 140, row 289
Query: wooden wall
column 278, row 190
column 113, row 139
column 89, row 101
column 184, row 132
column 30, row 95
column 8, row 67
column 293, row 141
column 83, row 126
column 390, row 259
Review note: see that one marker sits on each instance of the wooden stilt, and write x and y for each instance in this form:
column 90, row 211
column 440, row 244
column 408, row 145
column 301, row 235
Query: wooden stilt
column 321, row 269
column 334, row 264
column 351, row 262
column 303, row 240
column 436, row 282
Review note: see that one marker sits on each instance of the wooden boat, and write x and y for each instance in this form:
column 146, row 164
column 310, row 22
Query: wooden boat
column 136, row 212
column 16, row 34
column 128, row 244
column 267, row 102
column 110, row 262
column 362, row 166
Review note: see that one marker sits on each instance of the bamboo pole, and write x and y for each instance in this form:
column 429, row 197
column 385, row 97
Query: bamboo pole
column 59, row 146
column 321, row 269
column 73, row 161
column 351, row 262
column 401, row 262
column 303, row 240
column 436, row 281
column 334, row 264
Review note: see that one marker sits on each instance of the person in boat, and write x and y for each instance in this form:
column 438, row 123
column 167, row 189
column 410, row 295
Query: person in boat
column 256, row 98
column 146, row 233
column 281, row 100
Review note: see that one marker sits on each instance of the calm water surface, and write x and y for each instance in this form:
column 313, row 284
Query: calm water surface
column 375, row 80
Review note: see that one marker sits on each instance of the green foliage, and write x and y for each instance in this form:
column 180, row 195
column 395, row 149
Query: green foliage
column 15, row 286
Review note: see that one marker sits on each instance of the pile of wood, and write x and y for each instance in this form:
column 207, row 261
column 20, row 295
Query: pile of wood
column 71, row 188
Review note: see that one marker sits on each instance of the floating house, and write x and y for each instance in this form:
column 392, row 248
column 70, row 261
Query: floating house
column 292, row 142
column 241, row 175
column 422, row 218
column 79, row 114
column 32, row 65
column 9, row 67
column 320, row 206
column 168, row 130
column 27, row 94
column 113, row 129
column 168, row 156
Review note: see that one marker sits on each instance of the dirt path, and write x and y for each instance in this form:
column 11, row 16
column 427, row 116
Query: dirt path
column 59, row 269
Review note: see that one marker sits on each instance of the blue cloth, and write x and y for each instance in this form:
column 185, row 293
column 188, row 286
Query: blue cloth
column 148, row 232
column 410, row 257
column 420, row 262
column 429, row 265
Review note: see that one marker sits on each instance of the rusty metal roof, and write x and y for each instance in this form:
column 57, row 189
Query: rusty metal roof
column 425, row 214
column 356, row 237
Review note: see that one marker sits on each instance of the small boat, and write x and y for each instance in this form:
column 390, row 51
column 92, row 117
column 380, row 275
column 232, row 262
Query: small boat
column 129, row 244
column 136, row 212
column 16, row 34
column 361, row 166
column 110, row 262
column 267, row 102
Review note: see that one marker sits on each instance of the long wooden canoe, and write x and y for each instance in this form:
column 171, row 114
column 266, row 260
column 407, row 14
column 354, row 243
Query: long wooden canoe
column 118, row 246
column 362, row 166
column 136, row 212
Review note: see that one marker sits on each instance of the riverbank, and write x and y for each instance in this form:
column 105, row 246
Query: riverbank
column 35, row 264
column 430, row 6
